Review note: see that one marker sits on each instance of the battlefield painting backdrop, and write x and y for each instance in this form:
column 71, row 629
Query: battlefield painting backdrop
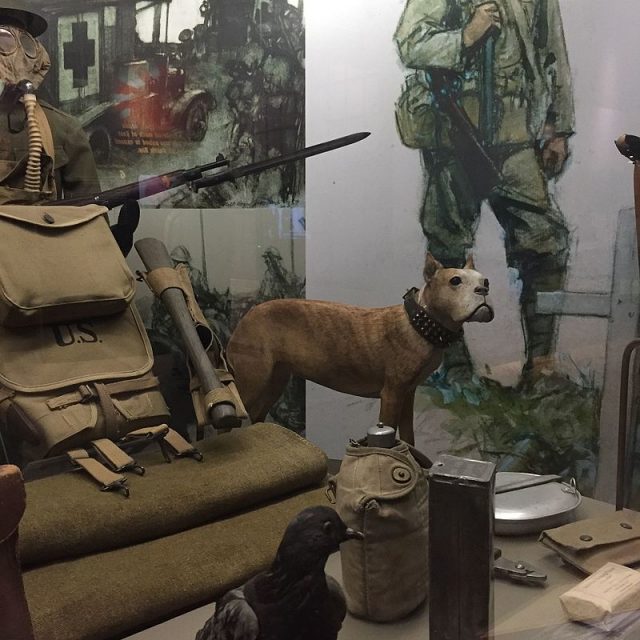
column 166, row 84
column 160, row 85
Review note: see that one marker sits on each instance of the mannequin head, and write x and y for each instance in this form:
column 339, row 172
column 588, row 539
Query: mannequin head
column 22, row 57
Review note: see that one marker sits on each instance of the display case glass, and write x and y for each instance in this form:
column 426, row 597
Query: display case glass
column 489, row 182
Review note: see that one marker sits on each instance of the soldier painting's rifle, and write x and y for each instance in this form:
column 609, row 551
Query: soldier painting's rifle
column 195, row 179
column 481, row 169
column 472, row 144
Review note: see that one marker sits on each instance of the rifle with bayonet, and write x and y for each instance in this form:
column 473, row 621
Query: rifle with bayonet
column 196, row 178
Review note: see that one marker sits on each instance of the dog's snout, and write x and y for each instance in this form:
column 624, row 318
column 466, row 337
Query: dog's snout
column 482, row 291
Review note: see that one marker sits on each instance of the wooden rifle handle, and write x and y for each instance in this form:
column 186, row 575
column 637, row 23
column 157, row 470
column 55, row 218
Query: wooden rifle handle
column 154, row 255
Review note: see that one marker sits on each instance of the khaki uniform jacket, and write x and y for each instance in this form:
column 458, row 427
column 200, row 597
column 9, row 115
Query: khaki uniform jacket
column 75, row 169
column 429, row 35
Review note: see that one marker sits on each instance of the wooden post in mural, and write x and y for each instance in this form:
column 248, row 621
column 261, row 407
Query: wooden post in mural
column 620, row 306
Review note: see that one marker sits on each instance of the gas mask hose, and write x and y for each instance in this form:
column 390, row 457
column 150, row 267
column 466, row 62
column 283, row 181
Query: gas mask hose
column 32, row 181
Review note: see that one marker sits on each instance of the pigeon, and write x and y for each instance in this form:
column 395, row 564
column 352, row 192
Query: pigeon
column 294, row 599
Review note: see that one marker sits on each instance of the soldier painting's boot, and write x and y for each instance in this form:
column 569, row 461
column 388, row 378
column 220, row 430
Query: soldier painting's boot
column 15, row 621
column 540, row 334
column 545, row 273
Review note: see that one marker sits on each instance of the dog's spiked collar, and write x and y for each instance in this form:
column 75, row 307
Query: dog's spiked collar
column 429, row 328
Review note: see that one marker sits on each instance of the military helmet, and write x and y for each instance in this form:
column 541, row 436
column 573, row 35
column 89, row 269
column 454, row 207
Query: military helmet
column 14, row 11
column 181, row 254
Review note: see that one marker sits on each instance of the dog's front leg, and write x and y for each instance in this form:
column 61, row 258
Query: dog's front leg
column 406, row 419
column 392, row 400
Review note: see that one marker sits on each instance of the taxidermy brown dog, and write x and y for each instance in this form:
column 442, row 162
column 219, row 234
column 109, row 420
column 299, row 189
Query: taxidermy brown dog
column 376, row 353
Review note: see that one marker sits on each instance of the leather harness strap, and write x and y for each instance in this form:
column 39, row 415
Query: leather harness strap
column 430, row 329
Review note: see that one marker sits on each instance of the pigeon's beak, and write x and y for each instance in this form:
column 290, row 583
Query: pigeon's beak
column 352, row 534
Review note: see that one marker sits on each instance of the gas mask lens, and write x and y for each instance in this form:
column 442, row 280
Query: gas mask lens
column 9, row 39
column 28, row 44
column 8, row 42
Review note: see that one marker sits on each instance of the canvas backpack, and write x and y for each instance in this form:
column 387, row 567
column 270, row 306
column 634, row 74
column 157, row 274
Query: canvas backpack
column 75, row 359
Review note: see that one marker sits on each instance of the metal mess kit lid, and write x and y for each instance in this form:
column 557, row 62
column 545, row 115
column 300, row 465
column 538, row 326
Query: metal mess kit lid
column 532, row 509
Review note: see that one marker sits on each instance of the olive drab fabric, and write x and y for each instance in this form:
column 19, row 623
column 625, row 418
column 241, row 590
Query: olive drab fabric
column 75, row 359
column 13, row 171
column 63, row 385
column 46, row 357
column 589, row 544
column 383, row 493
column 74, row 168
column 59, row 264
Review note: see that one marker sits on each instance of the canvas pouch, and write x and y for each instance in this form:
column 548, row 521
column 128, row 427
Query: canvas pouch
column 383, row 493
column 62, row 385
column 59, row 264
column 422, row 124
column 590, row 544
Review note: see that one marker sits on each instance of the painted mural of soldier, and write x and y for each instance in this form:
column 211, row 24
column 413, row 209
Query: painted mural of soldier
column 503, row 66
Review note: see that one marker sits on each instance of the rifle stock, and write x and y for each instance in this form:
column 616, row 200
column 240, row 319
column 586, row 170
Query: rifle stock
column 154, row 255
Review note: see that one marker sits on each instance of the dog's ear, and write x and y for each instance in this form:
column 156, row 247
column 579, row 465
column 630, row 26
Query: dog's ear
column 431, row 265
column 469, row 263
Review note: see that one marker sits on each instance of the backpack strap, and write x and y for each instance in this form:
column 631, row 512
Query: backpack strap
column 107, row 471
column 115, row 458
column 107, row 479
column 170, row 441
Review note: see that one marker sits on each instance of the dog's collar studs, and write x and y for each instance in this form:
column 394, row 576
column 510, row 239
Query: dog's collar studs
column 430, row 329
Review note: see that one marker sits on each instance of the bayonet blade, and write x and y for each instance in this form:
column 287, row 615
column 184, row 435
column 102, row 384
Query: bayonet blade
column 270, row 163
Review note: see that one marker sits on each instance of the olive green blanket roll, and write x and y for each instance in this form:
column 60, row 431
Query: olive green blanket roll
column 67, row 516
column 115, row 593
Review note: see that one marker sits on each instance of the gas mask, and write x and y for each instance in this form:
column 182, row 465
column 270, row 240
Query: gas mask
column 24, row 63
column 22, row 58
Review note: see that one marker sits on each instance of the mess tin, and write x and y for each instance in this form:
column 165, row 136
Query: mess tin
column 530, row 509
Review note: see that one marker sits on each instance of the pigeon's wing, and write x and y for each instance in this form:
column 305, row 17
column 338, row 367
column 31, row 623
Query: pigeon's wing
column 234, row 619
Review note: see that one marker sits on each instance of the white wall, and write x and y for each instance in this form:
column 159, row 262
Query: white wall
column 364, row 243
column 234, row 241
